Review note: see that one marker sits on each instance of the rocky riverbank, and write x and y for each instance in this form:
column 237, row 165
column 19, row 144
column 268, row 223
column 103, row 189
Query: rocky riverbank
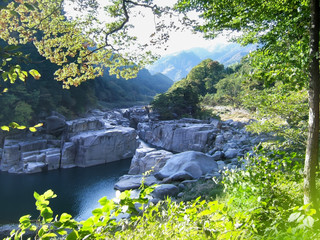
column 185, row 151
column 84, row 142
column 182, row 150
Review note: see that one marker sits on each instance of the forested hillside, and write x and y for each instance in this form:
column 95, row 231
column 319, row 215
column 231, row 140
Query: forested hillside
column 183, row 98
column 27, row 102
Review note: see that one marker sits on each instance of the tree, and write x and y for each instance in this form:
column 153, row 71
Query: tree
column 312, row 151
column 177, row 102
column 82, row 47
column 288, row 35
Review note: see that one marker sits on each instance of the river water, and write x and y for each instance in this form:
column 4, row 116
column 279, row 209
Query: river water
column 78, row 190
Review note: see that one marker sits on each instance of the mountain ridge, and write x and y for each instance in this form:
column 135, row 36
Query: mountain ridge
column 177, row 65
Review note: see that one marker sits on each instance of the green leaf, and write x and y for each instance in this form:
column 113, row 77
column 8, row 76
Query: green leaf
column 25, row 219
column 49, row 235
column 32, row 129
column 308, row 222
column 294, row 216
column 5, row 76
column 97, row 212
column 14, row 13
column 13, row 77
column 14, row 125
column 36, row 195
column 65, row 217
column 49, row 194
column 311, row 212
column 33, row 228
column 73, row 235
column 47, row 213
column 38, row 125
column 103, row 201
column 5, row 128
column 62, row 232
column 35, row 74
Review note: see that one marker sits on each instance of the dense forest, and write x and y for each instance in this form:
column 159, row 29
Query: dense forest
column 32, row 100
column 275, row 196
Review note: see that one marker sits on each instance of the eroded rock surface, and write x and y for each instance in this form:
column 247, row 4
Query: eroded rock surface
column 178, row 136
column 63, row 144
column 187, row 165
column 146, row 159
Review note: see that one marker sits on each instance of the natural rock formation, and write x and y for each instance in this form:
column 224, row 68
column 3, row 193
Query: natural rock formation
column 187, row 165
column 98, row 147
column 178, row 136
column 127, row 182
column 64, row 144
column 165, row 190
column 55, row 125
column 146, row 159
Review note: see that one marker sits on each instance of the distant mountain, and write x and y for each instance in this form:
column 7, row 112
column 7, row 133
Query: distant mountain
column 177, row 66
column 144, row 87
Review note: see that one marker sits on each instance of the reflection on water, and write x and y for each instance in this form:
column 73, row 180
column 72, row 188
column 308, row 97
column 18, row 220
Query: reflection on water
column 78, row 190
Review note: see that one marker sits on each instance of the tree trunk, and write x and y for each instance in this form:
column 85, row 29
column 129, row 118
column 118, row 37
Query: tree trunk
column 312, row 151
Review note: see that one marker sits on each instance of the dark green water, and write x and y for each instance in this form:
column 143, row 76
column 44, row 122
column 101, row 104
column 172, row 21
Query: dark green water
column 78, row 190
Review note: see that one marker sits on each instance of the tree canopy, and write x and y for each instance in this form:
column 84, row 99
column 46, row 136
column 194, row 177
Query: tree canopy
column 84, row 46
column 288, row 35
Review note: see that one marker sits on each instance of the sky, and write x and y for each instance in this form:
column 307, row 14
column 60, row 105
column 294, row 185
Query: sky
column 179, row 40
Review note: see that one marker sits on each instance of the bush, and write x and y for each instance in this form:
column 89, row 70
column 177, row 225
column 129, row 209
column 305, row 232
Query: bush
column 177, row 103
column 262, row 201
column 281, row 111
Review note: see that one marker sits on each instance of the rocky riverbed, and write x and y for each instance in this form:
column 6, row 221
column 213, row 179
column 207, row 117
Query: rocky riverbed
column 177, row 151
column 186, row 150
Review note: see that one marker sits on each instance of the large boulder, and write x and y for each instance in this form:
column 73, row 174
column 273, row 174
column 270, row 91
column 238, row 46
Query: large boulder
column 35, row 167
column 178, row 136
column 187, row 165
column 146, row 159
column 55, row 125
column 165, row 190
column 104, row 146
column 10, row 156
column 115, row 117
column 53, row 156
column 128, row 182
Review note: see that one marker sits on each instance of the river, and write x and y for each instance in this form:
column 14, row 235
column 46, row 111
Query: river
column 78, row 190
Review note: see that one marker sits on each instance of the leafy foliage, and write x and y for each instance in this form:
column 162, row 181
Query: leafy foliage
column 83, row 46
column 281, row 111
column 176, row 103
column 183, row 97
column 270, row 188
column 261, row 201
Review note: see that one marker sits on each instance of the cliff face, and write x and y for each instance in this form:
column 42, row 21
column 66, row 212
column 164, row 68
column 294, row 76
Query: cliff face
column 64, row 144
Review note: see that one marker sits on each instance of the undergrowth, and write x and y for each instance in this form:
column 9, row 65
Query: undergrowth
column 261, row 201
